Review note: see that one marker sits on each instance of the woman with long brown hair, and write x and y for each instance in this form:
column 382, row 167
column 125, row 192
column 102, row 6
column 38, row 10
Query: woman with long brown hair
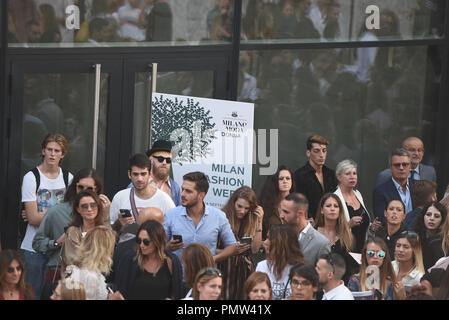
column 195, row 257
column 283, row 252
column 274, row 190
column 332, row 223
column 245, row 218
column 375, row 253
column 149, row 273
column 12, row 277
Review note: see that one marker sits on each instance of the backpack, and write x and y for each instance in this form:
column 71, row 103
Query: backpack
column 22, row 224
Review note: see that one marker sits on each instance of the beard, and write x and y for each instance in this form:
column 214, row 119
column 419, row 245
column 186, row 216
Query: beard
column 161, row 174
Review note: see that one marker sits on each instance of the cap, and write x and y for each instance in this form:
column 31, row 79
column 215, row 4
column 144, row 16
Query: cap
column 160, row 145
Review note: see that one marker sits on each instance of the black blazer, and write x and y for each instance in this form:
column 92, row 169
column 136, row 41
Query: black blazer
column 383, row 194
column 307, row 183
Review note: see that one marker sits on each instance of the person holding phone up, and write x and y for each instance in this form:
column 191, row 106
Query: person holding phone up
column 245, row 217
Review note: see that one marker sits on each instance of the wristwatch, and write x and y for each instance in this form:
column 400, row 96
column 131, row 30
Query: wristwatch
column 56, row 244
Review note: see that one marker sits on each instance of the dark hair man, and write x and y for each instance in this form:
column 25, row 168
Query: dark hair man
column 423, row 193
column 196, row 222
column 294, row 213
column 315, row 179
column 141, row 195
column 331, row 269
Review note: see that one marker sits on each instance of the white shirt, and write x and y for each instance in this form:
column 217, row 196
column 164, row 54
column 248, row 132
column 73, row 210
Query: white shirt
column 304, row 231
column 338, row 293
column 279, row 286
column 121, row 200
column 411, row 279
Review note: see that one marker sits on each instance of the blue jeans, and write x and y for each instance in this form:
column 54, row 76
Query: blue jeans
column 35, row 267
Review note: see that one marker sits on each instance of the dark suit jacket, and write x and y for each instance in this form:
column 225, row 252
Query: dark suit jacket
column 425, row 172
column 307, row 183
column 383, row 194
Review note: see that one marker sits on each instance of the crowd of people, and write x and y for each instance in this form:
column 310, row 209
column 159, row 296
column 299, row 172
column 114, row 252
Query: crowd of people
column 309, row 235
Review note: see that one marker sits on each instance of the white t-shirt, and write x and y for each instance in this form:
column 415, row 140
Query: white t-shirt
column 130, row 28
column 277, row 285
column 121, row 200
column 50, row 193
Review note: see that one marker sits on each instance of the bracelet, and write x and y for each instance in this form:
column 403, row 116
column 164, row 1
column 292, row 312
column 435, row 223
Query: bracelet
column 259, row 230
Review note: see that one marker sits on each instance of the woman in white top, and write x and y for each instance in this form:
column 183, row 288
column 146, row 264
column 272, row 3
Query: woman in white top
column 95, row 255
column 283, row 252
column 355, row 211
column 408, row 266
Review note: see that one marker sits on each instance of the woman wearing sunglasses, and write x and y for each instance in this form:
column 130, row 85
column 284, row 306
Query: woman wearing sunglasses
column 150, row 274
column 12, row 277
column 408, row 265
column 374, row 253
column 207, row 285
column 87, row 213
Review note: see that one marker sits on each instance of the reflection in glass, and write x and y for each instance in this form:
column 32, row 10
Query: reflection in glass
column 63, row 103
column 306, row 92
column 186, row 83
column 338, row 20
column 42, row 23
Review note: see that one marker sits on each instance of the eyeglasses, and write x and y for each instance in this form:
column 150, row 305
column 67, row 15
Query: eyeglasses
column 371, row 253
column 399, row 164
column 161, row 159
column 296, row 283
column 211, row 271
column 18, row 269
column 82, row 187
column 410, row 234
column 92, row 205
column 145, row 241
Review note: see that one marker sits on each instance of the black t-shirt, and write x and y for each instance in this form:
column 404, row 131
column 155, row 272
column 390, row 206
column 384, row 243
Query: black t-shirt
column 148, row 286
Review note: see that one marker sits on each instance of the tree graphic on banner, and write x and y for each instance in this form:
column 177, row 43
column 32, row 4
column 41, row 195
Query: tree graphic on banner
column 189, row 126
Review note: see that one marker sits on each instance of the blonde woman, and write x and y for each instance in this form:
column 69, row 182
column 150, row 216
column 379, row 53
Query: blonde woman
column 408, row 264
column 354, row 209
column 95, row 261
column 331, row 222
column 69, row 289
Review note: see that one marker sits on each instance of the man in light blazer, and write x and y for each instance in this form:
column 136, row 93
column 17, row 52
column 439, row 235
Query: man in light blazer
column 294, row 213
column 415, row 147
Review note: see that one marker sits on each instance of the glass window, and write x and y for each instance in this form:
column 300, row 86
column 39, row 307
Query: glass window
column 106, row 23
column 339, row 20
column 63, row 103
column 186, row 83
column 365, row 101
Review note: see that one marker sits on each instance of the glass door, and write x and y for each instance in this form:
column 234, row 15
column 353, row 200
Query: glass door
column 72, row 98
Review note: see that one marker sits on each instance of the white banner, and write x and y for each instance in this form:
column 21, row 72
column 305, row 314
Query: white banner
column 208, row 135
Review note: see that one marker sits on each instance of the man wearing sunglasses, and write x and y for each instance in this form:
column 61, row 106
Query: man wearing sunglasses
column 141, row 195
column 396, row 188
column 161, row 159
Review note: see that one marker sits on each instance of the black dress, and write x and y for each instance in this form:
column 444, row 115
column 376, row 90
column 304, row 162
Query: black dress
column 359, row 231
column 148, row 286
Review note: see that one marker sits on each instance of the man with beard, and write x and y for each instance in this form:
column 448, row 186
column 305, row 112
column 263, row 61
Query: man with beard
column 196, row 222
column 160, row 157
column 141, row 195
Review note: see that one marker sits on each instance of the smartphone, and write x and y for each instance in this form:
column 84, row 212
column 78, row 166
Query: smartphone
column 125, row 213
column 246, row 240
column 177, row 237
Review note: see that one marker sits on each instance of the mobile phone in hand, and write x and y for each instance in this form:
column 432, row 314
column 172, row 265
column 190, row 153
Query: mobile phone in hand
column 246, row 240
column 177, row 237
column 125, row 213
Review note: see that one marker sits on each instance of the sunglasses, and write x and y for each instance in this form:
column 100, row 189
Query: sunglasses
column 18, row 269
column 81, row 187
column 211, row 271
column 145, row 241
column 92, row 205
column 398, row 165
column 161, row 159
column 372, row 253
